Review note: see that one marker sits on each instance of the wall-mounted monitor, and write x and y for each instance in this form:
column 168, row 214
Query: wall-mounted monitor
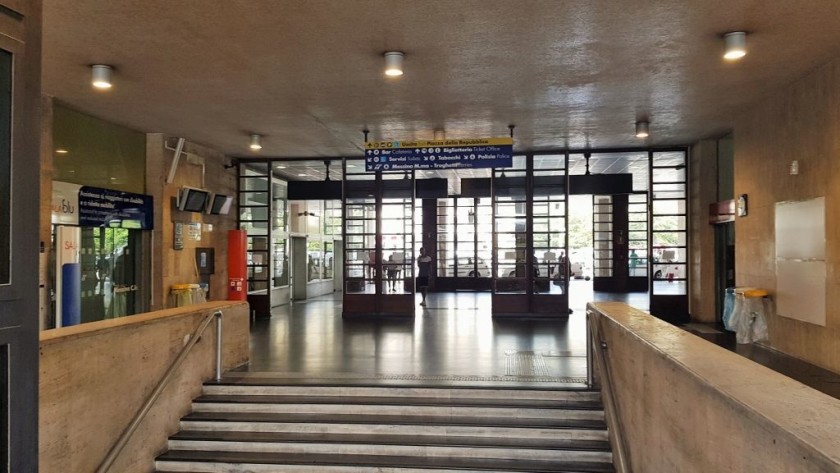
column 219, row 204
column 191, row 199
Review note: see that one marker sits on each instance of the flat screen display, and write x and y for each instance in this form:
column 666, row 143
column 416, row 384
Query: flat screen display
column 193, row 200
column 220, row 204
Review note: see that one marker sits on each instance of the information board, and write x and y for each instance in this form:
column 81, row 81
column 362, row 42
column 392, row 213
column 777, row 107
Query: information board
column 439, row 154
column 111, row 208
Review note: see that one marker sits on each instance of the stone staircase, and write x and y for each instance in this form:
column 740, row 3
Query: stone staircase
column 253, row 425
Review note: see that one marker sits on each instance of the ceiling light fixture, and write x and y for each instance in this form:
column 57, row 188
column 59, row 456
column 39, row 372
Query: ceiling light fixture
column 101, row 76
column 61, row 151
column 736, row 45
column 256, row 144
column 642, row 129
column 394, row 63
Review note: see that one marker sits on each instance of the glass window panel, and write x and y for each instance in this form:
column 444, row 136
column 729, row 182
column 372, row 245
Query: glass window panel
column 255, row 228
column 669, row 158
column 253, row 213
column 253, row 199
column 669, row 238
column 519, row 162
column 253, row 184
column 669, row 207
column 668, row 175
column 670, row 287
column 542, row 162
column 669, row 223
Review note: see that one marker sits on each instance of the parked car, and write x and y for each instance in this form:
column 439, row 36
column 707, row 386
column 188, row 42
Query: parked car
column 468, row 269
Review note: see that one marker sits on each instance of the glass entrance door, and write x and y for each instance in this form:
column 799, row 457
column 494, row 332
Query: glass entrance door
column 379, row 248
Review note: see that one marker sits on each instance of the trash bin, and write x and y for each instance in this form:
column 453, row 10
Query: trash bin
column 728, row 308
column 181, row 295
column 749, row 314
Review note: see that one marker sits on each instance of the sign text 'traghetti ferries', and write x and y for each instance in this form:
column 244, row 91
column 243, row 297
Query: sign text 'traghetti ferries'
column 439, row 154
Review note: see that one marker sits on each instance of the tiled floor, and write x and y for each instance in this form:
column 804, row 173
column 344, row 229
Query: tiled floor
column 455, row 338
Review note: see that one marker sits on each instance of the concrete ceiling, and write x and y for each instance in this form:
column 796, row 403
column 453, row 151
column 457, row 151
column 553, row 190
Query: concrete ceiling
column 308, row 74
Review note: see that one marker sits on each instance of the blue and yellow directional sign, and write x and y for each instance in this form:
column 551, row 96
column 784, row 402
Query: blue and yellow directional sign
column 439, row 154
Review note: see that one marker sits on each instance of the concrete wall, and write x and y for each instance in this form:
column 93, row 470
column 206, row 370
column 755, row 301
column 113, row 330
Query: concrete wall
column 170, row 266
column 800, row 123
column 686, row 405
column 703, row 191
column 94, row 377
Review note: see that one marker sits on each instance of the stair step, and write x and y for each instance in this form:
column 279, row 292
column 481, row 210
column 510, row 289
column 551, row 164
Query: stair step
column 225, row 462
column 390, row 438
column 259, row 388
column 418, row 432
column 320, row 448
column 567, row 402
column 401, row 410
column 400, row 419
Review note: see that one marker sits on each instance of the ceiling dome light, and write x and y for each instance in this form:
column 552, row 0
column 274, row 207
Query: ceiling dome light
column 394, row 63
column 736, row 45
column 642, row 129
column 255, row 142
column 101, row 76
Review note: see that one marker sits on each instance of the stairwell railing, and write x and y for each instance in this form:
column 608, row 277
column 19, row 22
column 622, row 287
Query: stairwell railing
column 121, row 442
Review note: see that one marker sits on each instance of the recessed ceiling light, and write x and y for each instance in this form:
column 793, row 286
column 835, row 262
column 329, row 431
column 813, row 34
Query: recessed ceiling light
column 256, row 144
column 394, row 63
column 642, row 129
column 280, row 166
column 736, row 45
column 301, row 175
column 61, row 151
column 101, row 76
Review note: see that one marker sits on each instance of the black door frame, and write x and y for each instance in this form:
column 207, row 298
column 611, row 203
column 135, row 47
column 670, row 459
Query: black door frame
column 20, row 125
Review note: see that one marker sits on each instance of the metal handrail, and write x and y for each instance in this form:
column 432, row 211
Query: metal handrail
column 596, row 348
column 153, row 397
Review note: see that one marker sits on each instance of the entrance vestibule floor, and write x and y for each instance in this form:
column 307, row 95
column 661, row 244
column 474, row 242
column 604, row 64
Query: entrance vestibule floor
column 453, row 338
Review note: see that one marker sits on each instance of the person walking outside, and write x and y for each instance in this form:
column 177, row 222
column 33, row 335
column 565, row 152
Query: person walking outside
column 424, row 267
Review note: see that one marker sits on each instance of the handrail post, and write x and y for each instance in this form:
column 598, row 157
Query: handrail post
column 218, row 316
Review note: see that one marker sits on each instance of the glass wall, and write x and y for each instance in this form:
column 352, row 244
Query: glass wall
column 669, row 230
column 254, row 211
column 93, row 152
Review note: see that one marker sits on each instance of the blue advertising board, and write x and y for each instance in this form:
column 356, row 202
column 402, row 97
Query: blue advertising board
column 439, row 154
column 111, row 208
